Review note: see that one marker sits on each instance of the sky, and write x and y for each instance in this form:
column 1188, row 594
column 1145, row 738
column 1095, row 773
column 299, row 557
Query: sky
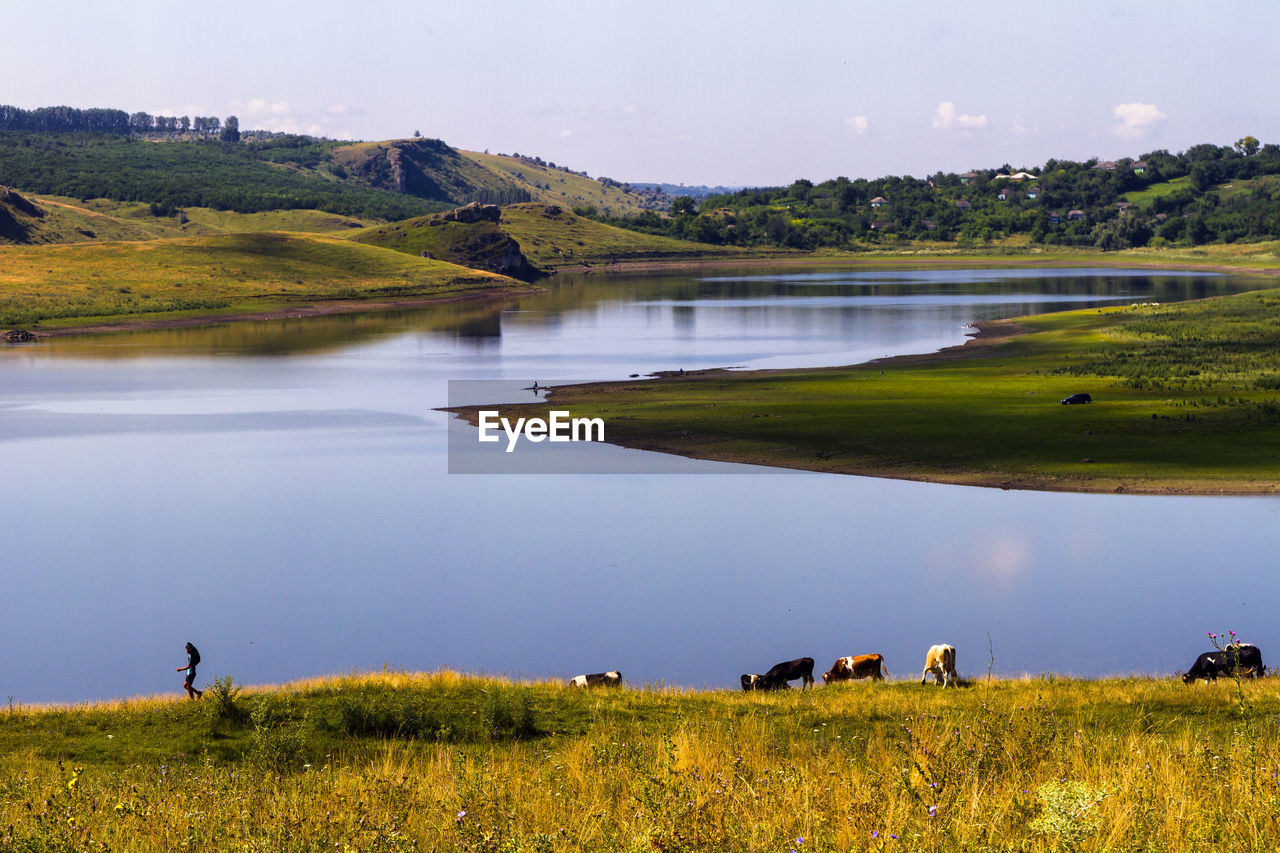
column 695, row 92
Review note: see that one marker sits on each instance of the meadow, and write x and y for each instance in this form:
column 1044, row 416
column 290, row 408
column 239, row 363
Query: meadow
column 440, row 761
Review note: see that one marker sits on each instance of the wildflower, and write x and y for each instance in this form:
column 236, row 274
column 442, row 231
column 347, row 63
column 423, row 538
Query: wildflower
column 800, row 841
column 460, row 816
column 933, row 811
column 875, row 833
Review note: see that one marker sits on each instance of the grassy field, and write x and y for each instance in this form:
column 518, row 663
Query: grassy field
column 402, row 762
column 70, row 220
column 85, row 283
column 1186, row 399
column 556, row 186
column 554, row 240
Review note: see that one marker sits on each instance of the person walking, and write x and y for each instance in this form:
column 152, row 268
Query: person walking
column 193, row 658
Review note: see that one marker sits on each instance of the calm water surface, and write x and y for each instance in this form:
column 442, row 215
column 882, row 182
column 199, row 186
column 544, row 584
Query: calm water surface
column 278, row 494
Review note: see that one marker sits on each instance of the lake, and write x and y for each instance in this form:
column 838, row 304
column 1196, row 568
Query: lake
column 278, row 493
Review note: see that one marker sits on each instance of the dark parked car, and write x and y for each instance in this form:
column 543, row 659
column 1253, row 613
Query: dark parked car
column 1075, row 399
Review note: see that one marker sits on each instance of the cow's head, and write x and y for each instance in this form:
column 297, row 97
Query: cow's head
column 826, row 678
column 750, row 682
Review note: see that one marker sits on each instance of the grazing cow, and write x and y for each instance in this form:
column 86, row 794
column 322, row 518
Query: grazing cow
column 856, row 666
column 1212, row 664
column 778, row 676
column 756, row 681
column 941, row 661
column 612, row 678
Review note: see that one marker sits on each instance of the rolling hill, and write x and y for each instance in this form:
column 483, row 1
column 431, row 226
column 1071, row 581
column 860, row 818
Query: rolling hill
column 549, row 236
column 551, row 184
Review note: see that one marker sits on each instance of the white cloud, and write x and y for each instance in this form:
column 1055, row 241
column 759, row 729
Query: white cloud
column 332, row 120
column 1133, row 121
column 262, row 108
column 566, row 133
column 946, row 118
column 608, row 112
column 1020, row 129
column 856, row 125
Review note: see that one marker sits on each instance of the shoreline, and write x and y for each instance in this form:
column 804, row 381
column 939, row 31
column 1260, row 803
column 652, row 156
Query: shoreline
column 988, row 336
column 301, row 310
column 905, row 259
column 868, row 261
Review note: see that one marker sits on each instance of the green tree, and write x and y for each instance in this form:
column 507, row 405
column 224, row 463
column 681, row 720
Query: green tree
column 1248, row 146
column 683, row 205
column 231, row 130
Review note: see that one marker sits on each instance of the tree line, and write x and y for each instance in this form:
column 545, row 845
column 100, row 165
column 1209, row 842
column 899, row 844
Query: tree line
column 1208, row 193
column 100, row 120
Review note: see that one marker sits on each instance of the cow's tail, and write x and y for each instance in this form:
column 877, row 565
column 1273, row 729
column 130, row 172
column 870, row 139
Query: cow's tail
column 882, row 666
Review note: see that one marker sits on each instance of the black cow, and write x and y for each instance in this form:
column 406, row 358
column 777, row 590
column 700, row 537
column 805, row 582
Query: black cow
column 778, row 676
column 1246, row 656
column 756, row 681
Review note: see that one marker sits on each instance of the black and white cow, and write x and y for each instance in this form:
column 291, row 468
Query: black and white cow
column 778, row 676
column 613, row 678
column 1246, row 656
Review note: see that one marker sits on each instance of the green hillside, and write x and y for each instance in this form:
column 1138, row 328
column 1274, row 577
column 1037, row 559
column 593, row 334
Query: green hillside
column 547, row 235
column 61, row 219
column 551, row 237
column 227, row 273
column 545, row 182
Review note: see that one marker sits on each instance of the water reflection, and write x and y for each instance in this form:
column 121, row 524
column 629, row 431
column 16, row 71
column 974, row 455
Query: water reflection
column 277, row 493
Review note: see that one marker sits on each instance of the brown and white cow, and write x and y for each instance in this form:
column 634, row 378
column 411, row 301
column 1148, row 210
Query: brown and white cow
column 941, row 661
column 778, row 676
column 856, row 666
column 613, row 678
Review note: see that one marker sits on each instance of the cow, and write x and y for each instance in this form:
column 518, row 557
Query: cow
column 778, row 676
column 941, row 661
column 856, row 666
column 1210, row 665
column 756, row 681
column 613, row 678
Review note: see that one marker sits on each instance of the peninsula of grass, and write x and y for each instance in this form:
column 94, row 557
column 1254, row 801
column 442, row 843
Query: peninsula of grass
column 417, row 762
column 52, row 286
column 1186, row 399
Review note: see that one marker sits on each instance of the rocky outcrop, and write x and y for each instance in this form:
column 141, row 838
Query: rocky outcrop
column 474, row 212
column 489, row 248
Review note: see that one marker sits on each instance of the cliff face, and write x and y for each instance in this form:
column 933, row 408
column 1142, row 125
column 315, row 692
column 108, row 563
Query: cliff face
column 17, row 216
